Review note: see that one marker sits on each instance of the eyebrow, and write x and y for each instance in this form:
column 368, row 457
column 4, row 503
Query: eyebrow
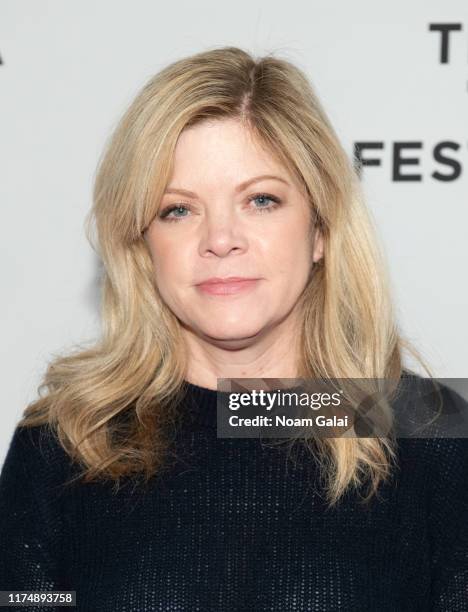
column 239, row 188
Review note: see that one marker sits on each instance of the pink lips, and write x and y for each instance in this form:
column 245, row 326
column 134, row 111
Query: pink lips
column 228, row 286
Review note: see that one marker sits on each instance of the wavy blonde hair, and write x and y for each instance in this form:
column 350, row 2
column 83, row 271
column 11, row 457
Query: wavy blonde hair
column 137, row 367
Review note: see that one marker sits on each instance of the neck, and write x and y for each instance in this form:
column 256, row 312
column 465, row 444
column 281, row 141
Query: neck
column 272, row 355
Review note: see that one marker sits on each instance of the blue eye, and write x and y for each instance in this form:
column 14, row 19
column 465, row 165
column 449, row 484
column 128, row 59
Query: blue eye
column 265, row 196
column 177, row 207
column 272, row 202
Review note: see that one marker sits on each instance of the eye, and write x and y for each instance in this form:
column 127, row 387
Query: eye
column 175, row 208
column 268, row 203
column 274, row 202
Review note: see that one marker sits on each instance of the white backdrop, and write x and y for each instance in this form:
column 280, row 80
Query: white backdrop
column 385, row 77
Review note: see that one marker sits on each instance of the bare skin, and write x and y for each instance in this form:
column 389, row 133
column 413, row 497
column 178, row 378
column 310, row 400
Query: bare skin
column 224, row 230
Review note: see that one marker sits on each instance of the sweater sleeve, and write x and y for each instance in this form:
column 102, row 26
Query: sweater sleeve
column 449, row 527
column 30, row 526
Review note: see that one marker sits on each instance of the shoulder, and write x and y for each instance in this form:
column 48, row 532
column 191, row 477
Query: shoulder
column 429, row 408
column 39, row 440
column 439, row 461
column 439, row 454
column 35, row 454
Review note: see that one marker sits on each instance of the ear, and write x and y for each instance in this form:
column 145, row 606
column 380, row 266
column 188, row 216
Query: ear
column 318, row 245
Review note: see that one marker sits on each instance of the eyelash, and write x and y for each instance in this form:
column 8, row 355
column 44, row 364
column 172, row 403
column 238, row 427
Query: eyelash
column 276, row 202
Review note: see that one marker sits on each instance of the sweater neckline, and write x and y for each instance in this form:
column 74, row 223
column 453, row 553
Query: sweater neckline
column 200, row 404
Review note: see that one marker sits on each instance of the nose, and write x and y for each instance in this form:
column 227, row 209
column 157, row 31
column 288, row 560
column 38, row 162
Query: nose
column 222, row 233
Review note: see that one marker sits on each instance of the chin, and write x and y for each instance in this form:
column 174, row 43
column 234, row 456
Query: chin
column 231, row 334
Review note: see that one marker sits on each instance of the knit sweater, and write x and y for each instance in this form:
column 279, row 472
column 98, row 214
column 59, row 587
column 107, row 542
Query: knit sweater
column 236, row 524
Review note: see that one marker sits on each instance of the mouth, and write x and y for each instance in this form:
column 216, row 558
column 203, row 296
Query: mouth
column 230, row 286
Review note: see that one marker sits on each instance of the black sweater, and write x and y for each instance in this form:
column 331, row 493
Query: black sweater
column 234, row 524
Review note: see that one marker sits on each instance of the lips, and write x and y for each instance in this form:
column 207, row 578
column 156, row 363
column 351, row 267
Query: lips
column 227, row 286
column 216, row 280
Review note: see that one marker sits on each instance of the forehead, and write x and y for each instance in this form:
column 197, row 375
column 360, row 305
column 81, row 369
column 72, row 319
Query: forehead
column 224, row 148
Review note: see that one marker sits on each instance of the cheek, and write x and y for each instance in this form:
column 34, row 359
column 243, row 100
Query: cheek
column 288, row 253
column 170, row 260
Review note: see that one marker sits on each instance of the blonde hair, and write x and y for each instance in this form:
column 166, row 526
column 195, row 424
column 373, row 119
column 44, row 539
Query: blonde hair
column 137, row 367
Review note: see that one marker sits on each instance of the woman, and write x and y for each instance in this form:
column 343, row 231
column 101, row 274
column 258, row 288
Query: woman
column 115, row 484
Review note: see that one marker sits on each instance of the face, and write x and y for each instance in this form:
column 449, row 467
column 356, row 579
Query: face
column 219, row 219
